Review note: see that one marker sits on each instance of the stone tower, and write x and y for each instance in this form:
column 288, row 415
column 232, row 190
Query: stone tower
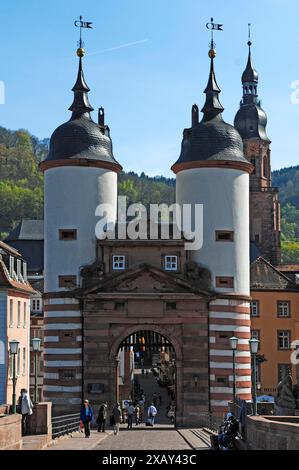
column 80, row 173
column 251, row 121
column 213, row 171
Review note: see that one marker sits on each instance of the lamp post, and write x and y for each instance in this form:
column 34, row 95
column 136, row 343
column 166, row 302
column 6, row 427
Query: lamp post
column 254, row 345
column 13, row 350
column 234, row 344
column 36, row 349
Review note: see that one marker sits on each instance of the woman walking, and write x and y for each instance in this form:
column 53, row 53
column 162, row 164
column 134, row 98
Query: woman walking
column 116, row 418
column 86, row 417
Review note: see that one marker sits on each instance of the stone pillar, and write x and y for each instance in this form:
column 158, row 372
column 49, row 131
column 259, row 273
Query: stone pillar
column 40, row 422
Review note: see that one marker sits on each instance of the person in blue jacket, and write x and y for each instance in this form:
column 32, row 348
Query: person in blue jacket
column 86, row 417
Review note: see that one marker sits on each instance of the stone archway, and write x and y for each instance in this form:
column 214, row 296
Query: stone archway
column 126, row 332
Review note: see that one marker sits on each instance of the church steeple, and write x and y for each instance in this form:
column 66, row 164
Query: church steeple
column 212, row 106
column 251, row 119
column 80, row 103
column 250, row 81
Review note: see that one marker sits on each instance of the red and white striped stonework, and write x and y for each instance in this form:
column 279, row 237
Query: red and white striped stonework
column 62, row 351
column 233, row 317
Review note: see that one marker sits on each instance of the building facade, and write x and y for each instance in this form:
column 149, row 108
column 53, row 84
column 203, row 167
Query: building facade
column 15, row 292
column 100, row 292
column 274, row 322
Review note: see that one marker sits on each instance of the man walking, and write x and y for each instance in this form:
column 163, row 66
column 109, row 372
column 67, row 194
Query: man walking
column 102, row 416
column 152, row 412
column 131, row 412
column 26, row 410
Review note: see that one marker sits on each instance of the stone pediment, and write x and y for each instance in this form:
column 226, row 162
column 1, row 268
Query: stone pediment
column 145, row 279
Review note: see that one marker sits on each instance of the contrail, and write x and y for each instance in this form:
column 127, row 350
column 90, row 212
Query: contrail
column 121, row 46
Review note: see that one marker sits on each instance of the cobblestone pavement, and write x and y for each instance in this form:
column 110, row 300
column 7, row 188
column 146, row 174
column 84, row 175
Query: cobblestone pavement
column 142, row 438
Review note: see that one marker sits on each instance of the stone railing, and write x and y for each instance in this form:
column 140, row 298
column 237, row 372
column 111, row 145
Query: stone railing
column 10, row 432
column 272, row 432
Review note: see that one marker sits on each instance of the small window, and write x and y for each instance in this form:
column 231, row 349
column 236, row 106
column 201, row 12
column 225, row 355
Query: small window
column 284, row 339
column 120, row 305
column 18, row 361
column 256, row 335
column 67, row 281
column 170, row 306
column 67, row 335
column 224, row 281
column 19, row 267
column 19, row 313
column 222, row 380
column 24, row 361
column 224, row 236
column 223, row 336
column 68, row 234
column 283, row 308
column 11, row 266
column 25, row 314
column 25, row 277
column 118, row 262
column 256, row 238
column 67, row 374
column 254, row 308
column 171, row 263
column 11, row 312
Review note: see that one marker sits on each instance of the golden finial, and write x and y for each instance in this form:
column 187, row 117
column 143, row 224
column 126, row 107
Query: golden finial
column 80, row 52
column 212, row 53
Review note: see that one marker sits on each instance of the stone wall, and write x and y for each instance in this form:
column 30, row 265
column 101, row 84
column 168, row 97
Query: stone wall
column 11, row 432
column 272, row 433
column 40, row 422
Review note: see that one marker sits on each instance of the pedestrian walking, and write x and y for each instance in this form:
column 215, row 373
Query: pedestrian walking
column 102, row 416
column 115, row 418
column 137, row 415
column 151, row 413
column 131, row 412
column 86, row 417
column 26, row 408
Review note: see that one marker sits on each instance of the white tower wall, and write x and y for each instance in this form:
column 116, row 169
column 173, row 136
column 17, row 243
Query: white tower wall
column 224, row 194
column 71, row 197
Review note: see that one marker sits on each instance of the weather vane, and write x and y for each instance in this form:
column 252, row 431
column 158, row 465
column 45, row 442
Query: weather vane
column 82, row 24
column 249, row 34
column 213, row 27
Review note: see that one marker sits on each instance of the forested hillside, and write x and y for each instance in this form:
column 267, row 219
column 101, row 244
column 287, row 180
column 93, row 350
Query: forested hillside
column 21, row 188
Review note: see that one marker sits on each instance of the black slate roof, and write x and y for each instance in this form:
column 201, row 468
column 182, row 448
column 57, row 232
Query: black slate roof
column 28, row 230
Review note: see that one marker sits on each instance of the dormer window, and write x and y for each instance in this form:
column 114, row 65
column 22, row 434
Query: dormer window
column 171, row 263
column 118, row 262
column 19, row 270
column 11, row 266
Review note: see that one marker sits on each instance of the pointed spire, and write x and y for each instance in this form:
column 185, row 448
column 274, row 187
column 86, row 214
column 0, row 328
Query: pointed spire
column 212, row 106
column 249, row 75
column 80, row 103
column 249, row 78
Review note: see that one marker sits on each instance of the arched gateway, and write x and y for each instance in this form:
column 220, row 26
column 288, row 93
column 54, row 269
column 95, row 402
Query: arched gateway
column 147, row 299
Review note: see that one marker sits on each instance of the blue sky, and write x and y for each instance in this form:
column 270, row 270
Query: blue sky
column 148, row 88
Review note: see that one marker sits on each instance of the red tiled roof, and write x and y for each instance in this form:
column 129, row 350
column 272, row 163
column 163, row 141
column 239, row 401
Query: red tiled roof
column 7, row 282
